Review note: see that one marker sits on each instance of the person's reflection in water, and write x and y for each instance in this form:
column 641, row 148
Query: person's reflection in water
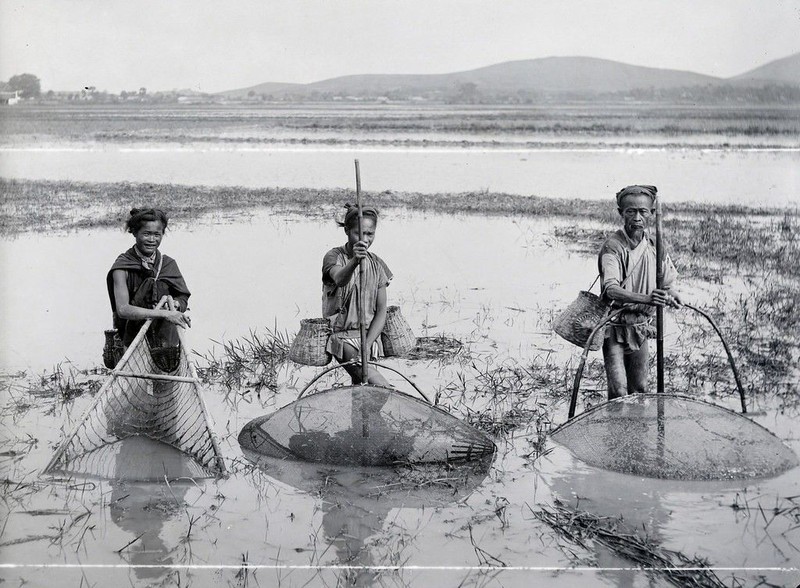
column 356, row 502
column 142, row 508
column 348, row 522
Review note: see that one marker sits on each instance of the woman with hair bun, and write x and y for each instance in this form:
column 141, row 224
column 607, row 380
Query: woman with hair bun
column 340, row 286
column 140, row 277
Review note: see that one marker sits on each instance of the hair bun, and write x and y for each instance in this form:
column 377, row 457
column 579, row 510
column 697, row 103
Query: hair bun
column 135, row 211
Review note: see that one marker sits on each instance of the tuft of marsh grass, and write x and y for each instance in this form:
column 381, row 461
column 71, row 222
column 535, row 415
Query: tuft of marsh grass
column 63, row 383
column 584, row 528
column 251, row 362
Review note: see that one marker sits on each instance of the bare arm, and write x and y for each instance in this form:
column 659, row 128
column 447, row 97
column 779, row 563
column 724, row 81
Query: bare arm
column 341, row 274
column 657, row 297
column 129, row 312
column 379, row 320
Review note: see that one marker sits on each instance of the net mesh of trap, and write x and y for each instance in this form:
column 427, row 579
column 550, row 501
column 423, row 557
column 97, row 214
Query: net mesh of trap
column 674, row 437
column 364, row 425
column 137, row 400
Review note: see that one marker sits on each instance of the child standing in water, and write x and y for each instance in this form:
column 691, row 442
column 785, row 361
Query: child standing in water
column 340, row 290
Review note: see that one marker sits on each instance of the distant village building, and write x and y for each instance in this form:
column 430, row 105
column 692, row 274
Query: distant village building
column 10, row 98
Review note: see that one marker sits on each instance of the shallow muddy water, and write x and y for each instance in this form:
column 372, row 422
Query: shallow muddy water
column 762, row 177
column 273, row 522
column 263, row 270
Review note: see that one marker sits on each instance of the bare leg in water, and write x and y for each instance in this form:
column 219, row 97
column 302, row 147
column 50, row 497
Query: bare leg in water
column 373, row 377
column 626, row 372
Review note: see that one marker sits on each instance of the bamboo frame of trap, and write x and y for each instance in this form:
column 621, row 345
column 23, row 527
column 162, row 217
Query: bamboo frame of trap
column 216, row 464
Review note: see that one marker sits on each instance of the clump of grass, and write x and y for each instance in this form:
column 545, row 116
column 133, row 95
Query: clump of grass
column 502, row 398
column 737, row 242
column 248, row 363
column 583, row 527
column 582, row 238
column 63, row 384
column 437, row 347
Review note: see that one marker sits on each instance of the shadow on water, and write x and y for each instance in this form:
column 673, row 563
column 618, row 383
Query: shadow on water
column 356, row 501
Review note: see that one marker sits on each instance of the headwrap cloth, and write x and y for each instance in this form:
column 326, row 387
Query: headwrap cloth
column 352, row 213
column 636, row 190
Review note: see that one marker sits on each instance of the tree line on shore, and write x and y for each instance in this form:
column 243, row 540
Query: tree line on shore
column 28, row 87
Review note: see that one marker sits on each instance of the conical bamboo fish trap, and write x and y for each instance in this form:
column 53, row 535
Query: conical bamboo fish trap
column 138, row 398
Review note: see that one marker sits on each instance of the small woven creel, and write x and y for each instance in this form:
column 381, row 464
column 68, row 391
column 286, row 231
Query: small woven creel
column 308, row 347
column 113, row 349
column 577, row 321
column 397, row 336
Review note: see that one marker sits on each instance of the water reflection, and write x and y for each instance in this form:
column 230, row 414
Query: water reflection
column 146, row 494
column 734, row 177
column 143, row 510
column 356, row 502
column 651, row 509
column 135, row 459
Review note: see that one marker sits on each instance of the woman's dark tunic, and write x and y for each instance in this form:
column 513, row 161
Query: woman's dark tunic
column 146, row 285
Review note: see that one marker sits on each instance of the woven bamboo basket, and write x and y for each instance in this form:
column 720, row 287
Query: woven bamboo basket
column 113, row 349
column 397, row 336
column 577, row 321
column 308, row 347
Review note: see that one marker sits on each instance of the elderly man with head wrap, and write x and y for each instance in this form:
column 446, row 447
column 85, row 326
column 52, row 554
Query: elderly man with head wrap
column 627, row 266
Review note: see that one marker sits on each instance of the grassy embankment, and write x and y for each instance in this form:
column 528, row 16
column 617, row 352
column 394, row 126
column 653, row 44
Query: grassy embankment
column 29, row 205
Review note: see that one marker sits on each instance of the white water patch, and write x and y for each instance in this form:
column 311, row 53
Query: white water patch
column 761, row 177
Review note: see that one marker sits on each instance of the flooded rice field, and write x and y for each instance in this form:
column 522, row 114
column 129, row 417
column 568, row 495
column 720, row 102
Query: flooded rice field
column 534, row 513
column 573, row 151
column 142, row 516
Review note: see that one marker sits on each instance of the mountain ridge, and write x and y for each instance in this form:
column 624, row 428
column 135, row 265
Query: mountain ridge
column 545, row 75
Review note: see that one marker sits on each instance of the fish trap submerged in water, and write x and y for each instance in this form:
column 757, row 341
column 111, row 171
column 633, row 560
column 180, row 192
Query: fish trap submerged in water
column 367, row 426
column 140, row 399
column 674, row 437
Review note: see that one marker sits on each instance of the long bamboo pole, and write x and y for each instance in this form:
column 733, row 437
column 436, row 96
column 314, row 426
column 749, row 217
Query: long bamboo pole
column 659, row 309
column 660, row 417
column 361, row 281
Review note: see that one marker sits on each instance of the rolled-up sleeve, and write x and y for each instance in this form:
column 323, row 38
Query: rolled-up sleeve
column 331, row 260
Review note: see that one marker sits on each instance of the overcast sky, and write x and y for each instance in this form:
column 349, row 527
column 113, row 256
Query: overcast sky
column 214, row 45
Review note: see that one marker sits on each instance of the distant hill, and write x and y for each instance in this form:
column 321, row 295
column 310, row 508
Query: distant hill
column 549, row 76
column 780, row 71
column 274, row 88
